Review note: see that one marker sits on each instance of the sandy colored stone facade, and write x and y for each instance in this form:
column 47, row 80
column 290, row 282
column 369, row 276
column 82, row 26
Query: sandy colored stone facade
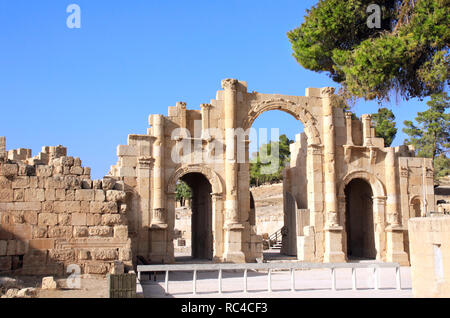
column 345, row 194
column 52, row 215
column 334, row 150
column 430, row 256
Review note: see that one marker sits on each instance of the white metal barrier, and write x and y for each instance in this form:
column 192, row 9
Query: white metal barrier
column 292, row 267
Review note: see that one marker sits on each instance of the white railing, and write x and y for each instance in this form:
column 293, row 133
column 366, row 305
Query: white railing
column 292, row 267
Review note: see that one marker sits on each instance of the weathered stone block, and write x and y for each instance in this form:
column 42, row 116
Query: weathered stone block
column 41, row 244
column 49, row 283
column 19, row 195
column 65, row 219
column 5, row 183
column 79, row 219
column 47, row 207
column 31, row 217
column 21, row 231
column 80, row 231
column 50, row 194
column 34, row 195
column 95, row 268
column 72, row 182
column 48, row 219
column 99, row 195
column 20, row 182
column 40, row 232
column 44, row 171
column 67, row 206
column 54, row 183
column 6, row 195
column 11, row 248
column 60, row 194
column 61, row 254
column 121, row 231
column 115, row 196
column 60, row 232
column 125, row 254
column 104, row 254
column 103, row 231
column 84, row 195
column 3, row 245
column 103, row 207
column 94, row 219
column 108, row 183
column 18, row 217
column 77, row 170
column 70, row 195
column 5, row 263
column 85, row 206
column 9, row 170
column 113, row 219
column 86, row 184
column 21, row 247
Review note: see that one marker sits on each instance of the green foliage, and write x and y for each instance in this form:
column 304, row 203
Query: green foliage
column 385, row 125
column 408, row 54
column 264, row 158
column 183, row 192
column 431, row 135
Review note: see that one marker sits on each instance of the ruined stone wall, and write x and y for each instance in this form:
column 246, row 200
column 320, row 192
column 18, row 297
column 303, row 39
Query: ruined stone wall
column 53, row 215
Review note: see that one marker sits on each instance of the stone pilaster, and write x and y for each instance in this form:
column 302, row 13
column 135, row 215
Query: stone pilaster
column 333, row 232
column 234, row 229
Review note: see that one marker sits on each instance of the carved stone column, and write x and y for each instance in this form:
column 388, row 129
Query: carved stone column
column 218, row 221
column 158, row 217
column 333, row 232
column 367, row 124
column 379, row 204
column 206, row 108
column 395, row 250
column 391, row 189
column 143, row 173
column 348, row 125
column 233, row 247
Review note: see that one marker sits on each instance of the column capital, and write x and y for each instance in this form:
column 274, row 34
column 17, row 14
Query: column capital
column 327, row 92
column 230, row 83
column 205, row 106
column 145, row 162
column 181, row 105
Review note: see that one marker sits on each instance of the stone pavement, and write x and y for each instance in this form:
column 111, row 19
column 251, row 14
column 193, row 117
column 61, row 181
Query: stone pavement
column 308, row 283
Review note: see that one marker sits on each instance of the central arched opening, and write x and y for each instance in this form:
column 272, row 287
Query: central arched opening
column 195, row 226
column 359, row 220
column 273, row 135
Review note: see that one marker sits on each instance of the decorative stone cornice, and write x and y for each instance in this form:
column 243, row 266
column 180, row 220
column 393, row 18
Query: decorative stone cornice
column 230, row 83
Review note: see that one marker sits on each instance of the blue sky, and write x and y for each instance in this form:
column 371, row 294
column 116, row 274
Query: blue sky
column 88, row 88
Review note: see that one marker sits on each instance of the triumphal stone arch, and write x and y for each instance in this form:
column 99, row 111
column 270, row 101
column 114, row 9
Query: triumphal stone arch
column 346, row 194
